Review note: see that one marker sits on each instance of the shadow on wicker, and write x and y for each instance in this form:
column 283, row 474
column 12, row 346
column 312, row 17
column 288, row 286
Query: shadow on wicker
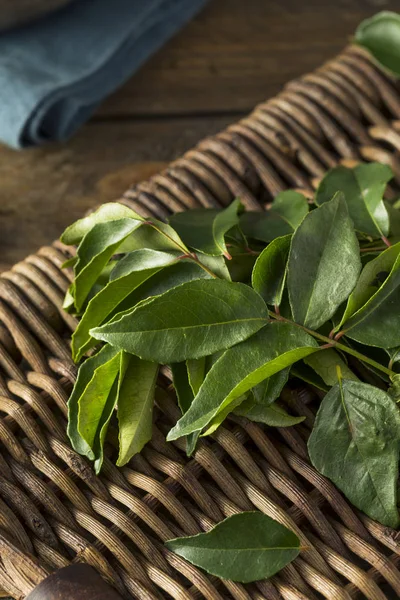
column 54, row 511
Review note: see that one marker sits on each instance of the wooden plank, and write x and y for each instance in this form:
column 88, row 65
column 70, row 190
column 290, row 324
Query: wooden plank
column 236, row 53
column 44, row 190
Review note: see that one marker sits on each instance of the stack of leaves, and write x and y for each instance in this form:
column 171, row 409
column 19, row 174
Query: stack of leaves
column 236, row 303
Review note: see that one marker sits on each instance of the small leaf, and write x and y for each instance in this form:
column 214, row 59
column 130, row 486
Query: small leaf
column 269, row 273
column 215, row 264
column 85, row 374
column 111, row 211
column 373, row 275
column 245, row 547
column 269, row 390
column 325, row 364
column 241, row 368
column 196, row 370
column 355, row 442
column 305, row 373
column 96, row 399
column 135, row 405
column 185, row 395
column 94, row 252
column 272, row 415
column 190, row 321
column 285, row 215
column 377, row 323
column 380, row 35
column 130, row 272
column 324, row 263
column 205, row 229
column 363, row 189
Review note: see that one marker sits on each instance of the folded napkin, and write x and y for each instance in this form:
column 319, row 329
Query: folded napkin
column 56, row 70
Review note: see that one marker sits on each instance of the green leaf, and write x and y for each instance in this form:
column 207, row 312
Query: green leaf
column 324, row 263
column 355, row 442
column 216, row 264
column 380, row 35
column 205, row 229
column 94, row 252
column 98, row 395
column 285, row 215
column 196, row 370
column 245, row 547
column 269, row 390
column 192, row 320
column 135, row 405
column 363, row 188
column 305, row 373
column 85, row 374
column 373, row 275
column 325, row 364
column 130, row 272
column 272, row 415
column 156, row 235
column 112, row 211
column 241, row 368
column 241, row 265
column 269, row 273
column 185, row 395
column 377, row 323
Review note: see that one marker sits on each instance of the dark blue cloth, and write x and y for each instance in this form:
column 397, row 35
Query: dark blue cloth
column 56, row 70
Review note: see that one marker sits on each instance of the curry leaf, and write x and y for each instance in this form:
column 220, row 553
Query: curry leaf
column 135, row 405
column 363, row 189
column 273, row 415
column 85, row 374
column 355, row 442
column 377, row 323
column 326, row 362
column 111, row 211
column 380, row 35
column 192, row 320
column 324, row 263
column 242, row 367
column 373, row 275
column 94, row 252
column 245, row 547
column 131, row 271
column 196, row 370
column 269, row 390
column 185, row 395
column 285, row 215
column 205, row 229
column 269, row 273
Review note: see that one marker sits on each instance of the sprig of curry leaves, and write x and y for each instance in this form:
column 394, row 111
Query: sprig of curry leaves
column 237, row 303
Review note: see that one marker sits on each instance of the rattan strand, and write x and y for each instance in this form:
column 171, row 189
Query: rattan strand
column 54, row 511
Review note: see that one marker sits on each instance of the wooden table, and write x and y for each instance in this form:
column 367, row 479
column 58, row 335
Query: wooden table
column 234, row 54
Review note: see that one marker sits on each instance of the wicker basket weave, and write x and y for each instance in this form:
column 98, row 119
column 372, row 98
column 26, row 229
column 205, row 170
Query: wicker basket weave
column 53, row 509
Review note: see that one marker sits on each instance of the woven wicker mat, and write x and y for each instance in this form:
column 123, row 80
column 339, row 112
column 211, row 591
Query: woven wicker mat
column 54, row 511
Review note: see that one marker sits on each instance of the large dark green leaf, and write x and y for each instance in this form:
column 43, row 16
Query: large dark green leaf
column 324, row 263
column 94, row 252
column 205, row 229
column 111, row 211
column 245, row 547
column 285, row 215
column 355, row 442
column 363, row 188
column 135, row 405
column 85, row 374
column 381, row 36
column 190, row 321
column 377, row 322
column 130, row 272
column 241, row 368
column 269, row 273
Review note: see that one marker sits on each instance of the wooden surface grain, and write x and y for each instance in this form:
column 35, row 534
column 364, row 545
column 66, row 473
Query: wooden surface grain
column 233, row 55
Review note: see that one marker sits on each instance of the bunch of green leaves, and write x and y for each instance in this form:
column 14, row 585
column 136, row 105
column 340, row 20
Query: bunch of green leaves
column 239, row 304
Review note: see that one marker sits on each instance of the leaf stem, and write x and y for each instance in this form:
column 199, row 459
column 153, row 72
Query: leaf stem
column 334, row 343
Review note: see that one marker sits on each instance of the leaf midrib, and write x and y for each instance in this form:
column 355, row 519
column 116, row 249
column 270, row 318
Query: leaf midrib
column 184, row 327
